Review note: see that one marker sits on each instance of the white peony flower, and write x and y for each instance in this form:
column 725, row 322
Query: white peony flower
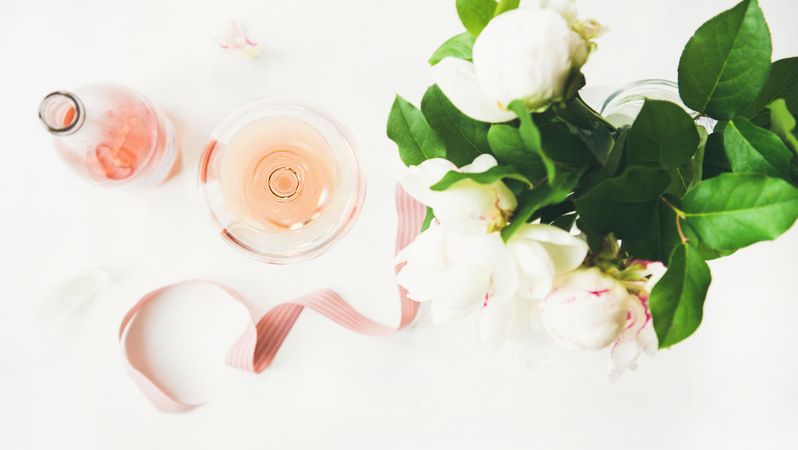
column 466, row 206
column 542, row 252
column 460, row 273
column 524, row 54
column 587, row 309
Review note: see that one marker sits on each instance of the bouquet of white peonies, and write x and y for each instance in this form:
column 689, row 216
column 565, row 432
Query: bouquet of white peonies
column 545, row 218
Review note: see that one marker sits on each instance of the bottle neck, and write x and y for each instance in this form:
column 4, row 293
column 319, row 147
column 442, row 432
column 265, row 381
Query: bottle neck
column 61, row 113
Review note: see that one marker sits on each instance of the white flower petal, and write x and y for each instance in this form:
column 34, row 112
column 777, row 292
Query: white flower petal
column 443, row 315
column 466, row 206
column 462, row 286
column 536, row 269
column 495, row 319
column 527, row 54
column 418, row 179
column 69, row 295
column 567, row 252
column 425, row 260
column 587, row 310
column 655, row 271
column 647, row 339
column 481, row 163
column 231, row 37
column 472, row 207
column 458, row 81
column 623, row 356
column 536, row 348
column 639, row 337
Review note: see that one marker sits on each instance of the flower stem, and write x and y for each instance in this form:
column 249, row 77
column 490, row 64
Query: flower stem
column 679, row 216
column 682, row 237
column 676, row 210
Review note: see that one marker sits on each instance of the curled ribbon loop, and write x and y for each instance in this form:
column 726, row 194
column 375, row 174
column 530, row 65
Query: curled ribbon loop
column 264, row 336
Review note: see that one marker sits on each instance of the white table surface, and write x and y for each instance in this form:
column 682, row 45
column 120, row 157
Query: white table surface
column 732, row 385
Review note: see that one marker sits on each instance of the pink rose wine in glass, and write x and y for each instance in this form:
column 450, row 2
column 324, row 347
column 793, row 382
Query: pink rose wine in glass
column 110, row 134
column 281, row 180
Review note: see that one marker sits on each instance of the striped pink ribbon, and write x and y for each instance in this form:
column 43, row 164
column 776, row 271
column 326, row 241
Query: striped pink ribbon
column 261, row 340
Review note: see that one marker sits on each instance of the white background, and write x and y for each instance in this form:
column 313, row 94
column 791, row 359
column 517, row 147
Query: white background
column 732, row 385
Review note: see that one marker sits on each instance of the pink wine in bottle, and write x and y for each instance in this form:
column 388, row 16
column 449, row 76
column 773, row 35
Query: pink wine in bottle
column 110, row 134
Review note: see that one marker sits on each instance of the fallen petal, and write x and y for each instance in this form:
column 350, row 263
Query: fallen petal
column 68, row 295
column 231, row 37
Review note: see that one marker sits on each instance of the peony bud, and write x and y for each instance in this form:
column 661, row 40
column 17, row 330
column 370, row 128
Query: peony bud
column 587, row 309
column 527, row 54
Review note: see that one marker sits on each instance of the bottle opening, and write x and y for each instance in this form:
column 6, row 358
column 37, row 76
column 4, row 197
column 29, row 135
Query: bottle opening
column 61, row 113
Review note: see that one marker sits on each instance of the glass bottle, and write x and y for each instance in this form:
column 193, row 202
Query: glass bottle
column 110, row 135
column 625, row 104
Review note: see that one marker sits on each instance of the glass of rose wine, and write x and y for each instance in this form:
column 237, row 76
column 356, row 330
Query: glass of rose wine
column 281, row 180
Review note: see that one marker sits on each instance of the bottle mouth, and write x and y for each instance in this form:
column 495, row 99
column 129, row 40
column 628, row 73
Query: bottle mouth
column 61, row 113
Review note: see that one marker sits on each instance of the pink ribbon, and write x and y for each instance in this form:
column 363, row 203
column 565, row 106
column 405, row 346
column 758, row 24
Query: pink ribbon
column 262, row 338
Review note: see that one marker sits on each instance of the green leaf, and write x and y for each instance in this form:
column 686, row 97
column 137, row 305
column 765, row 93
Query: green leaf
column 782, row 123
column 625, row 204
column 464, row 137
column 509, row 148
column 506, row 5
column 475, row 14
column 459, row 46
column 715, row 160
column 656, row 243
column 681, row 180
column 595, row 240
column 598, row 141
column 690, row 173
column 783, row 83
column 417, row 141
column 530, row 135
column 677, row 300
column 577, row 112
column 703, row 249
column 726, row 63
column 492, row 175
column 564, row 146
column 611, row 166
column 663, row 135
column 734, row 210
column 697, row 164
column 428, row 218
column 753, row 149
column 535, row 199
